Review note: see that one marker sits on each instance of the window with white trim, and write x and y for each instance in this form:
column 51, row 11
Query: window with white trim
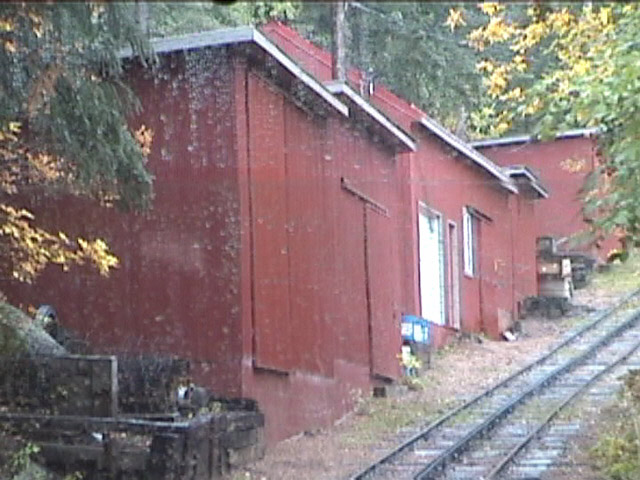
column 470, row 241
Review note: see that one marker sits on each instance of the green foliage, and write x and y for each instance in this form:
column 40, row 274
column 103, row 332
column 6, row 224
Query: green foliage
column 573, row 66
column 179, row 18
column 22, row 458
column 10, row 341
column 61, row 80
column 619, row 456
column 611, row 103
column 408, row 47
column 410, row 362
column 617, row 452
column 74, row 476
column 621, row 277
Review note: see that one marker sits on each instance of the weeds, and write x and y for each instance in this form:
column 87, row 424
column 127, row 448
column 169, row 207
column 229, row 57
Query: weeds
column 21, row 459
column 621, row 276
column 386, row 416
column 23, row 463
column 617, row 453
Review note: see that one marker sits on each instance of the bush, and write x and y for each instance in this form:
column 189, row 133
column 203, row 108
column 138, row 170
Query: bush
column 617, row 453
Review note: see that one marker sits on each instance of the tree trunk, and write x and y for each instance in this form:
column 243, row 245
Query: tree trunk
column 19, row 335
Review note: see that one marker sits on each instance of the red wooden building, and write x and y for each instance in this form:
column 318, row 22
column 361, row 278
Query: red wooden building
column 563, row 165
column 294, row 222
column 473, row 281
column 272, row 255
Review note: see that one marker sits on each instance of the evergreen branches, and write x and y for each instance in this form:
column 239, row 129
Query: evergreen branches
column 64, row 113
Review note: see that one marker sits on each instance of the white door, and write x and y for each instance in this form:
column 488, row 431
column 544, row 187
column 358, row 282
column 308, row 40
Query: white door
column 431, row 255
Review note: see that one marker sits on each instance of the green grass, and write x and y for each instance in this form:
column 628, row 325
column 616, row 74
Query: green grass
column 617, row 452
column 466, row 417
column 384, row 416
column 621, row 277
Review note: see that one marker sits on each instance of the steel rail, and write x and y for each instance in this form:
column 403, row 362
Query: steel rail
column 461, row 445
column 520, row 446
column 388, row 457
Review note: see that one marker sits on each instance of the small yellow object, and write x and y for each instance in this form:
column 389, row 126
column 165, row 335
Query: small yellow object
column 490, row 8
column 10, row 46
column 605, row 15
column 455, row 18
column 6, row 25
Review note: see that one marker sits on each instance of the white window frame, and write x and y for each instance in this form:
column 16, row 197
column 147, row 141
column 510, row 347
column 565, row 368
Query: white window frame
column 453, row 282
column 469, row 241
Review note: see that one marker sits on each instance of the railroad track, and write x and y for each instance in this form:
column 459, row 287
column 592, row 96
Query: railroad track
column 489, row 436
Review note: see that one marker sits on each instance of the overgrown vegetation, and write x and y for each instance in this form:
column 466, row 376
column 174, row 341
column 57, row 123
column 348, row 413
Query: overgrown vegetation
column 591, row 65
column 617, row 453
column 22, row 463
column 620, row 276
column 388, row 416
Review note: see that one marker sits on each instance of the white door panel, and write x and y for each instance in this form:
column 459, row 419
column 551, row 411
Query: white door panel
column 431, row 255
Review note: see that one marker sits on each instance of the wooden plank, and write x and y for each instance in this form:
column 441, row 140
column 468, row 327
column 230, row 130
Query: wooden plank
column 268, row 204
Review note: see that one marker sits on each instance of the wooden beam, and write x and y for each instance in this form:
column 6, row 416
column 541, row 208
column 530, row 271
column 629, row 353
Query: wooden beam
column 378, row 207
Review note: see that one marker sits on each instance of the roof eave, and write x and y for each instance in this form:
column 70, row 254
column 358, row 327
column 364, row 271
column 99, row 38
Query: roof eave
column 514, row 140
column 533, row 180
column 337, row 87
column 232, row 36
column 464, row 148
column 307, row 79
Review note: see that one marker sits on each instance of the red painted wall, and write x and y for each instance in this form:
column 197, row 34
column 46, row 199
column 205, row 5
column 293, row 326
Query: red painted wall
column 254, row 262
column 561, row 214
column 445, row 184
column 177, row 289
column 524, row 245
column 326, row 338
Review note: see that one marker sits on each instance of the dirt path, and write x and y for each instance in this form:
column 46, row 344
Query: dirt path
column 458, row 372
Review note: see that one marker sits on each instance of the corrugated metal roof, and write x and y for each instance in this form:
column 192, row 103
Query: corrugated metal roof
column 496, row 142
column 467, row 150
column 341, row 88
column 230, row 36
column 534, row 181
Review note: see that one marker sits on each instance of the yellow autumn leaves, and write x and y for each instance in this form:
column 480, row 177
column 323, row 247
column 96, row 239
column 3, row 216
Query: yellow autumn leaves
column 455, row 19
column 32, row 248
column 20, row 165
column 28, row 248
column 7, row 26
column 574, row 35
column 144, row 137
